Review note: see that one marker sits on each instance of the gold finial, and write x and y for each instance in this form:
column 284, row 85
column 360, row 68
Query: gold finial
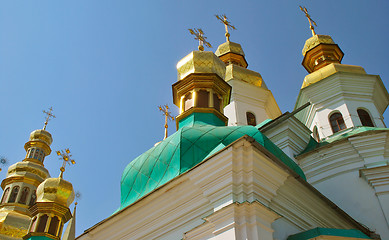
column 65, row 157
column 166, row 113
column 227, row 24
column 310, row 20
column 49, row 115
column 199, row 35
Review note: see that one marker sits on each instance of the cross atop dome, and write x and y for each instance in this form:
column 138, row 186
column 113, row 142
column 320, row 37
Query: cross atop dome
column 227, row 24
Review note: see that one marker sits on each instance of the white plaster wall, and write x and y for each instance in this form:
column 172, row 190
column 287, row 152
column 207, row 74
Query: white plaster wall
column 354, row 195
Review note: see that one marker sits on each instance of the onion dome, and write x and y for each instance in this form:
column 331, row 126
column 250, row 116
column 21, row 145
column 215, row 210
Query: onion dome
column 319, row 51
column 56, row 190
column 200, row 62
column 177, row 154
column 230, row 52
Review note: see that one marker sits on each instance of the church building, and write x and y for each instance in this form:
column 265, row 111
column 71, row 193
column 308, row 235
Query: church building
column 237, row 167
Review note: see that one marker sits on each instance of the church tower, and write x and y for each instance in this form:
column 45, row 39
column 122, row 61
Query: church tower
column 342, row 96
column 51, row 210
column 251, row 101
column 20, row 186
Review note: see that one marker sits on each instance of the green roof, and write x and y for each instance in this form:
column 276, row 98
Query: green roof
column 351, row 233
column 312, row 144
column 182, row 151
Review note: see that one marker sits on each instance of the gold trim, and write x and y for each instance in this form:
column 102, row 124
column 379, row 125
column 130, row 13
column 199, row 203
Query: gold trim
column 201, row 110
column 16, row 179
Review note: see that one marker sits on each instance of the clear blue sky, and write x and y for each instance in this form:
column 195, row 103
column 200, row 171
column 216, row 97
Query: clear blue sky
column 105, row 66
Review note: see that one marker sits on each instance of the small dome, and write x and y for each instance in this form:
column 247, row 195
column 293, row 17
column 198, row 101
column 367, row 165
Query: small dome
column 229, row 47
column 42, row 136
column 200, row 62
column 316, row 40
column 56, row 190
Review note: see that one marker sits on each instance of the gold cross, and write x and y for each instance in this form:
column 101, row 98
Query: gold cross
column 310, row 20
column 49, row 115
column 167, row 114
column 199, row 35
column 227, row 24
column 65, row 157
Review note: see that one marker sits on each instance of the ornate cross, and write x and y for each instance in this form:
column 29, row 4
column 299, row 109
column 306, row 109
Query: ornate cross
column 65, row 157
column 227, row 24
column 49, row 115
column 168, row 116
column 199, row 35
column 309, row 19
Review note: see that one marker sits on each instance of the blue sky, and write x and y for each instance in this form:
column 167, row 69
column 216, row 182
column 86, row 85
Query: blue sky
column 105, row 66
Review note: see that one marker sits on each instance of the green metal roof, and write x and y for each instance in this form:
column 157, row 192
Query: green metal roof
column 312, row 144
column 351, row 233
column 190, row 145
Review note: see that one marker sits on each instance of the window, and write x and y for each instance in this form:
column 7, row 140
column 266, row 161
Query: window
column 315, row 133
column 216, row 102
column 337, row 122
column 251, row 119
column 365, row 118
column 32, row 199
column 202, row 98
column 188, row 101
column 33, row 224
column 14, row 194
column 42, row 223
column 5, row 195
column 25, row 193
column 53, row 226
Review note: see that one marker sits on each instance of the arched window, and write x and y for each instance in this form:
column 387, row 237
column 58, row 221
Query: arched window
column 42, row 223
column 14, row 194
column 25, row 193
column 365, row 118
column 202, row 98
column 216, row 102
column 5, row 195
column 315, row 133
column 188, row 101
column 54, row 226
column 33, row 224
column 32, row 199
column 251, row 119
column 337, row 122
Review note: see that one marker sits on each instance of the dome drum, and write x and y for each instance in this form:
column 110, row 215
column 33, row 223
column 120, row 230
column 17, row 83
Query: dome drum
column 38, row 144
column 322, row 55
column 231, row 53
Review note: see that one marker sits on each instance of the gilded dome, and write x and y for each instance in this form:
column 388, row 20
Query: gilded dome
column 316, row 40
column 200, row 62
column 41, row 136
column 56, row 190
column 229, row 47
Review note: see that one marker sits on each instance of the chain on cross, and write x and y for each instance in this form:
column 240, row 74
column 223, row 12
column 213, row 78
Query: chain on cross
column 304, row 9
column 199, row 35
column 49, row 115
column 168, row 116
column 65, row 156
column 223, row 18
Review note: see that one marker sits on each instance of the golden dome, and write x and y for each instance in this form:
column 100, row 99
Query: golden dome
column 316, row 40
column 42, row 136
column 319, row 51
column 229, row 47
column 243, row 74
column 56, row 190
column 230, row 52
column 200, row 62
